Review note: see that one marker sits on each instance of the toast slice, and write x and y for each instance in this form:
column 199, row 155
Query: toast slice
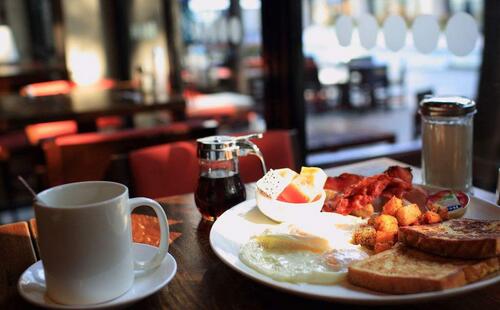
column 458, row 238
column 403, row 270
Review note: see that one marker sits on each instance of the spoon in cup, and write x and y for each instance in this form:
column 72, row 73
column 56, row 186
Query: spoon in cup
column 28, row 187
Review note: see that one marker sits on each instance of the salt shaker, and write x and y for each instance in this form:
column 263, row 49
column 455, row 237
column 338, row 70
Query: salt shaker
column 447, row 124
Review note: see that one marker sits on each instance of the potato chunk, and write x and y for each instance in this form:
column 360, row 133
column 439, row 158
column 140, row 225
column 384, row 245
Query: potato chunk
column 430, row 217
column 387, row 223
column 365, row 236
column 441, row 210
column 392, row 206
column 408, row 215
column 385, row 236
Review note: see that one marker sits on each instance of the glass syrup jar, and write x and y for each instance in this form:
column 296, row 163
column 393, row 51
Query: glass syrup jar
column 219, row 184
column 447, row 128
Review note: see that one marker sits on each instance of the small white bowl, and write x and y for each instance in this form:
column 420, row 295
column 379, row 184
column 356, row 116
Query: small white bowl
column 281, row 211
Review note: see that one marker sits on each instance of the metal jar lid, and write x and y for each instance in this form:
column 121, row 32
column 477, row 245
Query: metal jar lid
column 447, row 106
column 217, row 147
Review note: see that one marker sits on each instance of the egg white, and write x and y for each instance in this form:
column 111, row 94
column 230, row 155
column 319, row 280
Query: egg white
column 297, row 252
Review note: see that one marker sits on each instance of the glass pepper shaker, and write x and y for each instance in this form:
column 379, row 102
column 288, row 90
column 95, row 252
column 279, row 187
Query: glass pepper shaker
column 447, row 124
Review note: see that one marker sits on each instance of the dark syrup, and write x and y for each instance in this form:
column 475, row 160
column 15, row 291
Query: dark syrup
column 218, row 192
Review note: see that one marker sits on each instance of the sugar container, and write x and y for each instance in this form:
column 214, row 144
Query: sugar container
column 447, row 138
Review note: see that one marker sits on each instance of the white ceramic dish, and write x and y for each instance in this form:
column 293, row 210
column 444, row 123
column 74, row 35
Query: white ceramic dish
column 31, row 284
column 226, row 241
column 281, row 211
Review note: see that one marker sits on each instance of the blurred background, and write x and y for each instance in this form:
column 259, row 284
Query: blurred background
column 346, row 75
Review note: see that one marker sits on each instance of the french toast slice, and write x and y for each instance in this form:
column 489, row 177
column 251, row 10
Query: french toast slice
column 458, row 238
column 403, row 270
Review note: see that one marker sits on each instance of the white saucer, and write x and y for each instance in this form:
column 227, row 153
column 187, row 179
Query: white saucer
column 31, row 284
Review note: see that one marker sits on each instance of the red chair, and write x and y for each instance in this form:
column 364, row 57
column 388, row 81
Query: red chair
column 89, row 156
column 58, row 87
column 38, row 132
column 109, row 123
column 49, row 88
column 279, row 148
column 61, row 87
column 165, row 170
column 172, row 169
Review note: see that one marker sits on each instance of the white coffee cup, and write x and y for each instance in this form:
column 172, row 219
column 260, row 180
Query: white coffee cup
column 85, row 240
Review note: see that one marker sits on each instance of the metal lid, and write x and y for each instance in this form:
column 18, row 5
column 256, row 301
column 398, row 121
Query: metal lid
column 447, row 106
column 217, row 147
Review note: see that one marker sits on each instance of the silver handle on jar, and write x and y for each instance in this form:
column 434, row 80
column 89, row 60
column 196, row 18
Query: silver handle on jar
column 249, row 148
column 248, row 137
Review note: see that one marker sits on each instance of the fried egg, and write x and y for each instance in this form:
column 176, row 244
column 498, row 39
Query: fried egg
column 295, row 253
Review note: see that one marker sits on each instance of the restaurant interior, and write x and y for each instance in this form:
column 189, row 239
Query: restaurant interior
column 134, row 92
column 116, row 72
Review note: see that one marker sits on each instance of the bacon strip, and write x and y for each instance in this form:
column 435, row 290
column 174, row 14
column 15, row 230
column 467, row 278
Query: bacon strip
column 403, row 173
column 342, row 182
column 355, row 192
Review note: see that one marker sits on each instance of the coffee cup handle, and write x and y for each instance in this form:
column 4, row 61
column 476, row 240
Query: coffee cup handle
column 142, row 266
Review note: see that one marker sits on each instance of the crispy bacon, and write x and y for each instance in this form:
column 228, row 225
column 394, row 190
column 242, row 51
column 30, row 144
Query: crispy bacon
column 401, row 181
column 417, row 195
column 342, row 182
column 363, row 193
column 396, row 187
column 370, row 186
column 355, row 192
column 403, row 173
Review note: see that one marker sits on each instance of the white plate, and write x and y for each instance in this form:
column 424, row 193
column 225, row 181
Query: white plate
column 235, row 227
column 31, row 284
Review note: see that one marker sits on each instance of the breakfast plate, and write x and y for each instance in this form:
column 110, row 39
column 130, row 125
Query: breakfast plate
column 236, row 226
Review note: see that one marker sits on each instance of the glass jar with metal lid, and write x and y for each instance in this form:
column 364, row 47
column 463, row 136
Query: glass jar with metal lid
column 219, row 184
column 447, row 124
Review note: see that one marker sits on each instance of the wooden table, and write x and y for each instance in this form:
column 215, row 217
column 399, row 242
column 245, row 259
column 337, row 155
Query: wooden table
column 14, row 76
column 202, row 280
column 83, row 105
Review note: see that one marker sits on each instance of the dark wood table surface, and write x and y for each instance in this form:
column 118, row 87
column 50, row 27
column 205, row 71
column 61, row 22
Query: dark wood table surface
column 202, row 280
column 83, row 105
column 14, row 76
